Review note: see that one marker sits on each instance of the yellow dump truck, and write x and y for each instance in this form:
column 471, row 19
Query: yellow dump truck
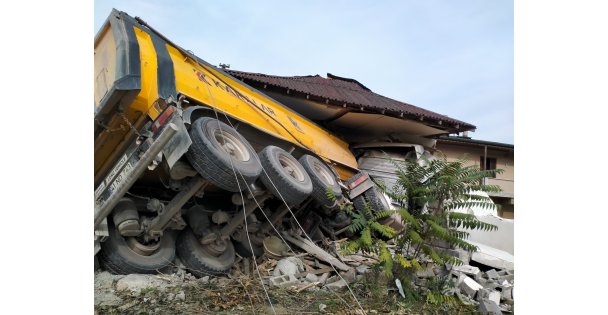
column 190, row 161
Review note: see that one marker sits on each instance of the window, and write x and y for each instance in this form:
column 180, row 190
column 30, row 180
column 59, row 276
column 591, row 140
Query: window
column 488, row 164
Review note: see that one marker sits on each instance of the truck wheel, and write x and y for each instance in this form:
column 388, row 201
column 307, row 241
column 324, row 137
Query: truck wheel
column 201, row 260
column 286, row 173
column 321, row 177
column 214, row 145
column 120, row 255
column 374, row 198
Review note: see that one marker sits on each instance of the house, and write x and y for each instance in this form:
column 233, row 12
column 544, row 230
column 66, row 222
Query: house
column 367, row 120
column 352, row 111
column 487, row 155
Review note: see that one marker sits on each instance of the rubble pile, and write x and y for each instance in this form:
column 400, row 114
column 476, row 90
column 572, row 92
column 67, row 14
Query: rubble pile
column 491, row 291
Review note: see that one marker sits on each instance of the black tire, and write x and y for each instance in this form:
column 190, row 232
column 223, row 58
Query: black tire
column 208, row 157
column 118, row 258
column 198, row 261
column 243, row 249
column 321, row 177
column 294, row 190
column 372, row 196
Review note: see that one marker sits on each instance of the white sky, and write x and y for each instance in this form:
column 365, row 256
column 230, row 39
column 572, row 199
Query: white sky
column 451, row 57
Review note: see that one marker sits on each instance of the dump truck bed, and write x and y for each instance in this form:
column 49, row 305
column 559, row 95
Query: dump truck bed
column 138, row 72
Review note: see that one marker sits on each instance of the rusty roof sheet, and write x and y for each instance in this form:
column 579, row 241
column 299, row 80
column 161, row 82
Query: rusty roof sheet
column 335, row 90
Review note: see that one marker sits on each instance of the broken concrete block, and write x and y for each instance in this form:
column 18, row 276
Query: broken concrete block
column 425, row 273
column 487, row 307
column 492, row 274
column 482, row 294
column 361, row 269
column 350, row 275
column 470, row 286
column 283, row 281
column 336, row 285
column 466, row 269
column 494, row 297
column 311, row 278
column 288, row 266
column 507, row 293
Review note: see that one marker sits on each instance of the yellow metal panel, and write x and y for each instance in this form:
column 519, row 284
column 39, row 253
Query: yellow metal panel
column 144, row 102
column 210, row 87
column 105, row 64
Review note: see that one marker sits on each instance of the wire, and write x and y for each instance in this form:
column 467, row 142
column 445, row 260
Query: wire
column 215, row 109
column 243, row 205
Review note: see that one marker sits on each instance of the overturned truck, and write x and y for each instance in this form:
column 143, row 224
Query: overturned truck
column 191, row 162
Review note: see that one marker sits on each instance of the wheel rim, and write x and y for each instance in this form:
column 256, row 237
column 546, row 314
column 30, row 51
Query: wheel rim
column 232, row 145
column 214, row 248
column 291, row 168
column 142, row 249
column 325, row 176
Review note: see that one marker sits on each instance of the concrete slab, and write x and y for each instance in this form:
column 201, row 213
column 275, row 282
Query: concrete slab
column 466, row 269
column 470, row 286
column 492, row 257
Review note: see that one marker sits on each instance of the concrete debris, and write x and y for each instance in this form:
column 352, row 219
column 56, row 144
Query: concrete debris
column 311, row 278
column 180, row 296
column 284, row 281
column 105, row 280
column 425, row 273
column 136, row 282
column 494, row 297
column 107, row 299
column 482, row 294
column 362, row 269
column 350, row 276
column 336, row 285
column 288, row 266
column 492, row 274
column 466, row 269
column 461, row 254
column 322, row 307
column 470, row 286
column 492, row 257
column 487, row 307
column 465, row 299
column 507, row 293
column 505, row 308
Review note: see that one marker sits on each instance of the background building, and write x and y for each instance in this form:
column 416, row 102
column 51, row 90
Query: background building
column 487, row 155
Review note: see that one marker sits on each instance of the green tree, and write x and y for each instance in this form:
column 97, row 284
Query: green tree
column 427, row 192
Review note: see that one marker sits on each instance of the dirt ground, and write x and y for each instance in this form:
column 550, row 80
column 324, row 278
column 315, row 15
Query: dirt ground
column 183, row 294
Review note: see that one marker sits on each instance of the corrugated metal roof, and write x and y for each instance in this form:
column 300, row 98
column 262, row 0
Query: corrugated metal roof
column 340, row 91
column 477, row 142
